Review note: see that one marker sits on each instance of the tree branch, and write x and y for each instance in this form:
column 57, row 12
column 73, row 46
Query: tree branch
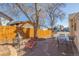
column 25, row 13
column 6, row 16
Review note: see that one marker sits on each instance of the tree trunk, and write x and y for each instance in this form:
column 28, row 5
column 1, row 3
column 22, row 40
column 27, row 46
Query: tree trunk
column 36, row 24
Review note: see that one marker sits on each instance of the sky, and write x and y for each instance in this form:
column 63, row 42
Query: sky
column 68, row 9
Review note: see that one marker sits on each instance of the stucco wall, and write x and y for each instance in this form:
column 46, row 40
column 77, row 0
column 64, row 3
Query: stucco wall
column 74, row 18
column 40, row 33
column 8, row 33
column 77, row 35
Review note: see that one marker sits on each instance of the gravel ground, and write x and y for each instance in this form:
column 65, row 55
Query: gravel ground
column 49, row 47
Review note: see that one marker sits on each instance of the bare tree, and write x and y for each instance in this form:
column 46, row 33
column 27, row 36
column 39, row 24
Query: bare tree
column 20, row 6
column 54, row 11
column 34, row 17
column 36, row 12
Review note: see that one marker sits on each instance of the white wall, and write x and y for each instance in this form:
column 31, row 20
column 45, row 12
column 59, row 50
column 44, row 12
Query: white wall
column 4, row 21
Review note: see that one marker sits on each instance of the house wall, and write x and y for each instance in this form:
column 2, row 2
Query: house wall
column 77, row 35
column 74, row 31
column 71, row 25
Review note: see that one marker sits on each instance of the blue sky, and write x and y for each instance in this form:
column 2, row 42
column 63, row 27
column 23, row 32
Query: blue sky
column 69, row 9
